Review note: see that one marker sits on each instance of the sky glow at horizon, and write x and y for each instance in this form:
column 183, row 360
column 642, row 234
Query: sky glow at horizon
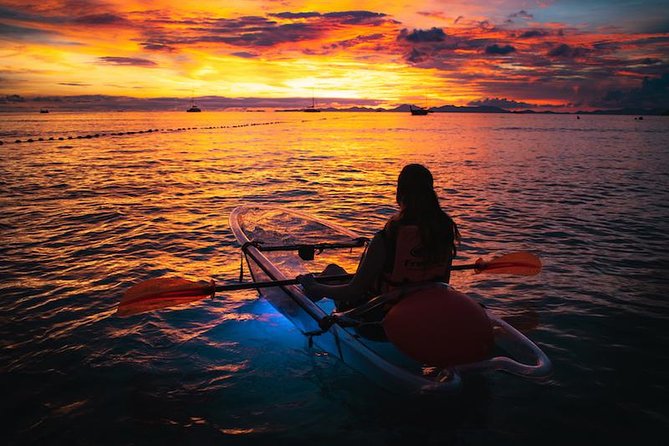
column 518, row 54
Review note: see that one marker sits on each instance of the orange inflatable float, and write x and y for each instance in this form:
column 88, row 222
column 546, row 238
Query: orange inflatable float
column 440, row 327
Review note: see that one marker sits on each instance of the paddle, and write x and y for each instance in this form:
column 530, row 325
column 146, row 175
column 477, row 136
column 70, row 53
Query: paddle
column 155, row 294
column 519, row 263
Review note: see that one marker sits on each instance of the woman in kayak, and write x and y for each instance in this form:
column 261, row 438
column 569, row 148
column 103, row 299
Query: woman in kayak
column 416, row 245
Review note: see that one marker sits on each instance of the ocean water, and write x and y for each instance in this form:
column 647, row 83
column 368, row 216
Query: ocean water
column 125, row 197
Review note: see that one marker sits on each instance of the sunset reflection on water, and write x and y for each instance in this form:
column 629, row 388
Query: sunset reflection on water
column 84, row 219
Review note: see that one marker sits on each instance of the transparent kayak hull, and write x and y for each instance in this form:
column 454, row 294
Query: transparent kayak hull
column 259, row 227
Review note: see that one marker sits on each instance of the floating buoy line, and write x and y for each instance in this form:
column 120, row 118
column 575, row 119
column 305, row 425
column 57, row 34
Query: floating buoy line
column 135, row 132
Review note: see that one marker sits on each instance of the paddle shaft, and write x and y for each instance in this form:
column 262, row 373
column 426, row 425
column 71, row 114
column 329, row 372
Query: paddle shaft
column 286, row 282
column 469, row 266
column 271, row 283
column 159, row 293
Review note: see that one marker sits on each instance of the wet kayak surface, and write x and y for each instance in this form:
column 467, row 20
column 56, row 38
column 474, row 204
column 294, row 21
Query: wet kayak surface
column 84, row 219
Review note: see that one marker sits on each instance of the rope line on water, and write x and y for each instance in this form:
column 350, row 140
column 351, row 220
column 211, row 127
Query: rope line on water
column 136, row 132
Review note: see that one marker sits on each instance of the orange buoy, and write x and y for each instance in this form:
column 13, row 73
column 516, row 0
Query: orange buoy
column 440, row 327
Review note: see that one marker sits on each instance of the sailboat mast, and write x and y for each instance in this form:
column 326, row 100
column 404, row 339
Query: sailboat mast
column 313, row 103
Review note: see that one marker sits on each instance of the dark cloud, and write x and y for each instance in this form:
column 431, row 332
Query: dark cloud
column 651, row 41
column 460, row 17
column 100, row 19
column 229, row 26
column 499, row 50
column 270, row 36
column 569, row 52
column 359, row 40
column 416, row 56
column 433, row 48
column 59, row 8
column 250, row 31
column 485, row 25
column 357, row 17
column 580, row 75
column 606, row 46
column 127, row 61
column 245, row 54
column 155, row 46
column 296, row 15
column 32, row 17
column 420, row 35
column 256, row 31
column 649, row 61
column 30, row 14
column 500, row 102
column 522, row 14
column 74, row 84
column 22, row 31
column 343, row 17
column 59, row 12
column 534, row 33
column 156, row 26
column 15, row 14
column 653, row 94
column 440, row 15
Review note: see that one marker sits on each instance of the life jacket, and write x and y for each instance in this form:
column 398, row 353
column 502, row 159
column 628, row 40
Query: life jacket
column 406, row 263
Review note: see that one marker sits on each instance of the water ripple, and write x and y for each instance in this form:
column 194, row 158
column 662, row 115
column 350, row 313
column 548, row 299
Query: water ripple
column 82, row 222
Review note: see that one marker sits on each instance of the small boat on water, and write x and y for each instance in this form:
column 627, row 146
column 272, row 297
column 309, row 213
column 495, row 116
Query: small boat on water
column 44, row 110
column 279, row 244
column 312, row 108
column 193, row 108
column 417, row 111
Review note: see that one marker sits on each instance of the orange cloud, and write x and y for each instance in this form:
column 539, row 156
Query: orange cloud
column 387, row 53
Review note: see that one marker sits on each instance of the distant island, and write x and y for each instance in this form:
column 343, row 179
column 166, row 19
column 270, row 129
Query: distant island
column 405, row 108
column 107, row 103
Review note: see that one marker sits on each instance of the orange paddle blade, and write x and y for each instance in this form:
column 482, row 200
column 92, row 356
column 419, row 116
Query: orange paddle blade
column 160, row 293
column 520, row 263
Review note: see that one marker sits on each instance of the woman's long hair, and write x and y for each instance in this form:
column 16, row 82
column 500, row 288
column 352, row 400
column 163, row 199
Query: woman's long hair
column 419, row 206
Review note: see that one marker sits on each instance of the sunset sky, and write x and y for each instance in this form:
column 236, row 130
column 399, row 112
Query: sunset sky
column 562, row 54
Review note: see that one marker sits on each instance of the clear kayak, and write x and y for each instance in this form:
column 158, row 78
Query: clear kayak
column 280, row 244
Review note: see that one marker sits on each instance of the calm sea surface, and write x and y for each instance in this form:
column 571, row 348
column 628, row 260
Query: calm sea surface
column 85, row 218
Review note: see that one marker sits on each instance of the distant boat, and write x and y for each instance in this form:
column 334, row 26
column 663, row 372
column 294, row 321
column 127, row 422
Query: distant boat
column 312, row 108
column 418, row 111
column 44, row 110
column 194, row 108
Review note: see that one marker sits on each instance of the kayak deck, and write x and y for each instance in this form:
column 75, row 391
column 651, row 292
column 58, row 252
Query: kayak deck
column 260, row 228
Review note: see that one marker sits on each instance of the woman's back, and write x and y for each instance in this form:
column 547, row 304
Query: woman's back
column 410, row 259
